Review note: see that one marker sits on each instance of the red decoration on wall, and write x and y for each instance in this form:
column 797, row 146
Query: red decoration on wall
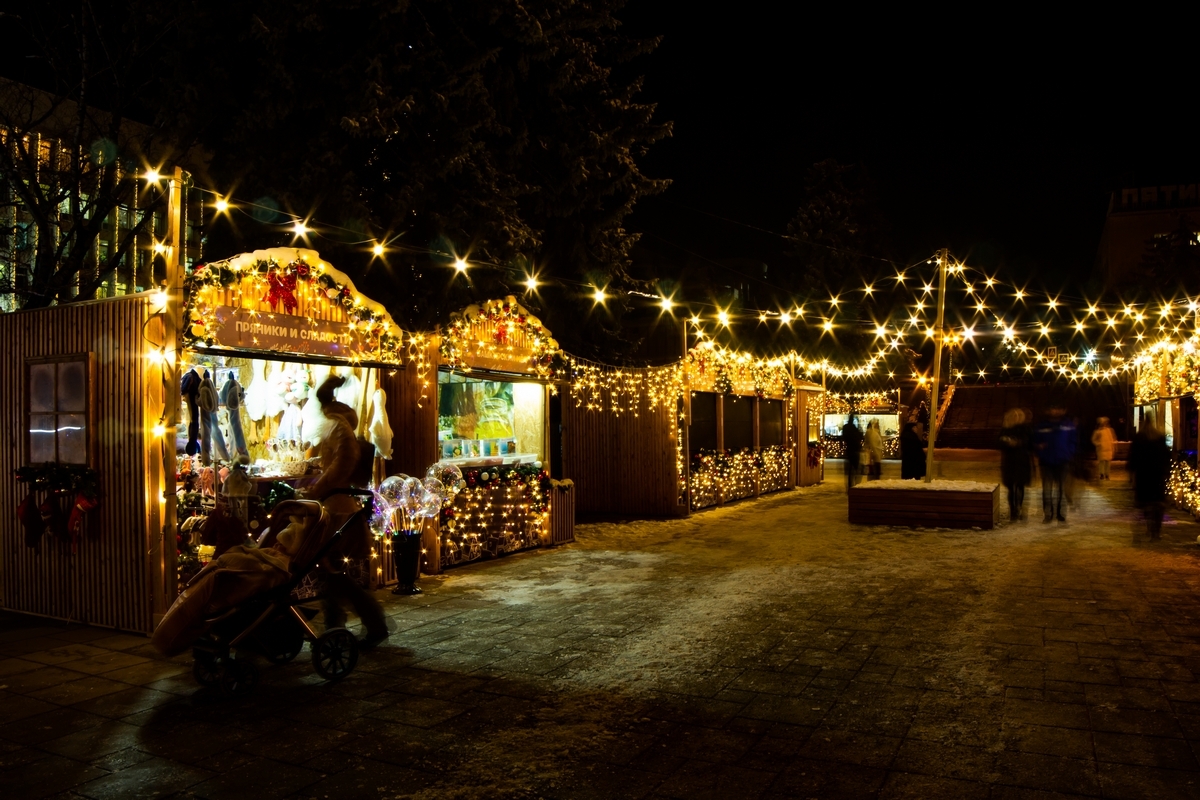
column 282, row 290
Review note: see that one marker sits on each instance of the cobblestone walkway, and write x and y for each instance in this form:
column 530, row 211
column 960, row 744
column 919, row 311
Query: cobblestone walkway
column 760, row 650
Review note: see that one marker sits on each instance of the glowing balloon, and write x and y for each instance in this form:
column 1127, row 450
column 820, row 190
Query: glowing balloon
column 411, row 495
column 392, row 488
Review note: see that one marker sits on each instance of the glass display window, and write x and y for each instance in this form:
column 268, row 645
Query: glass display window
column 484, row 421
column 889, row 424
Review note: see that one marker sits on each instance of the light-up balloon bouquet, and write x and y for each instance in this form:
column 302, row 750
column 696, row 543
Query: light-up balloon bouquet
column 405, row 503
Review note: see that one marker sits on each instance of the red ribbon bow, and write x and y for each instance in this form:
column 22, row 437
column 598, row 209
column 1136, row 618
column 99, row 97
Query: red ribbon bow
column 283, row 289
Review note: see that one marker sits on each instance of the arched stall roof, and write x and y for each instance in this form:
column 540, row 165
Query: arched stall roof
column 290, row 300
column 498, row 336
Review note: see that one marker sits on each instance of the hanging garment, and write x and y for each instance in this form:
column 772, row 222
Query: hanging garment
column 231, row 398
column 350, row 392
column 189, row 387
column 277, row 381
column 210, row 430
column 256, row 392
column 380, row 431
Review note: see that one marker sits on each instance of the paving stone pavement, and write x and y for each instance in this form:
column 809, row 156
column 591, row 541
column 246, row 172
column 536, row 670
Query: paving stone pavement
column 766, row 649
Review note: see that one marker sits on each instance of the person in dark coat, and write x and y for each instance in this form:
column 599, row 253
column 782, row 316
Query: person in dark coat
column 1055, row 439
column 1015, row 467
column 912, row 453
column 1150, row 466
column 852, row 438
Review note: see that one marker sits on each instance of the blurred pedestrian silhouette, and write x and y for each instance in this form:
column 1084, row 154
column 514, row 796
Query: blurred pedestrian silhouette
column 1054, row 442
column 1149, row 467
column 1105, row 441
column 1015, row 461
column 852, row 438
column 912, row 451
column 873, row 443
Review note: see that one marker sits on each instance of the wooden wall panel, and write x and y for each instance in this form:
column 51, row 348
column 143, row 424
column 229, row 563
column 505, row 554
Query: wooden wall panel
column 621, row 464
column 412, row 412
column 108, row 581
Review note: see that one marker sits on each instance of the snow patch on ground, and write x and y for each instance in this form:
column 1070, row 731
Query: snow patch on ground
column 933, row 486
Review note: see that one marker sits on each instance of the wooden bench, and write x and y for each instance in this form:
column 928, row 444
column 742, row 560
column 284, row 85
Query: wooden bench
column 924, row 508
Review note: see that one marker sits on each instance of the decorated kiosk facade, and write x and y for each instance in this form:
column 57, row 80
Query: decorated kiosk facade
column 489, row 415
column 664, row 441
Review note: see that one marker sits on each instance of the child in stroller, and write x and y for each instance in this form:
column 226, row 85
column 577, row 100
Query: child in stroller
column 246, row 601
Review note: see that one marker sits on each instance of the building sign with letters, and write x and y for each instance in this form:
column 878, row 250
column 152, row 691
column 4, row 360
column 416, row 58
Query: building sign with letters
column 243, row 329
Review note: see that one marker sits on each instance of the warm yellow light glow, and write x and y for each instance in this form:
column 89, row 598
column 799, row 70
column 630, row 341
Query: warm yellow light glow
column 222, row 205
column 827, row 325
column 785, row 318
column 159, row 247
column 723, row 318
column 598, row 295
column 299, row 228
column 159, row 429
column 377, row 249
column 1020, row 295
column 152, row 175
column 868, row 288
column 880, row 330
column 531, row 282
column 460, row 264
column 968, row 333
column 762, row 317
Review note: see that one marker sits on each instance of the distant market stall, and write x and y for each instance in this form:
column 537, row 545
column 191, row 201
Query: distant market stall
column 1165, row 394
column 715, row 427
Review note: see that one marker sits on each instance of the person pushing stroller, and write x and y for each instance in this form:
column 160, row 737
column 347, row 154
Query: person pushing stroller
column 342, row 465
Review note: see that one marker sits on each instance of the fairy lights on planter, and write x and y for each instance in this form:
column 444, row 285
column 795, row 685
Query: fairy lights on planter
column 501, row 510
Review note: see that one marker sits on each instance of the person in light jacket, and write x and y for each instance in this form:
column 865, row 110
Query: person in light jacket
column 1105, row 442
column 873, row 444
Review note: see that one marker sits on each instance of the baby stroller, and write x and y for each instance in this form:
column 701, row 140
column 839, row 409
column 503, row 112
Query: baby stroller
column 237, row 616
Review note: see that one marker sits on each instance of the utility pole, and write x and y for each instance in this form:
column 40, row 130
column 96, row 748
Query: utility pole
column 939, row 335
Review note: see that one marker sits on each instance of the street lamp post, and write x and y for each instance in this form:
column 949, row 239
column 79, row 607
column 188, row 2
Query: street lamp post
column 939, row 335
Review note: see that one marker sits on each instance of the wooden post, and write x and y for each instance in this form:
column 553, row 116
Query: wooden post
column 685, row 423
column 939, row 335
column 166, row 581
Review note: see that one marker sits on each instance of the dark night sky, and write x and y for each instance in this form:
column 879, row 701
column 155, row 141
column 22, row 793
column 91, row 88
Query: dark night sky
column 1000, row 146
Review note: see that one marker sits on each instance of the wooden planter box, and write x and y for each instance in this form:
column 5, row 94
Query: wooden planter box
column 924, row 508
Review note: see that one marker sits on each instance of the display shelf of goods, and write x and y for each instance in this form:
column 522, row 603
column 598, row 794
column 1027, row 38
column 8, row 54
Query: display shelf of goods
column 498, row 329
column 294, row 285
column 500, row 510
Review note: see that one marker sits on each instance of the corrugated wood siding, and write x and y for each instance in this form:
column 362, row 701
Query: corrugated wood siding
column 413, row 419
column 107, row 582
column 621, row 463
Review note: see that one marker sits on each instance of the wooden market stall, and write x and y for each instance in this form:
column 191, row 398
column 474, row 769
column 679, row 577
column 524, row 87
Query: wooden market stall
column 659, row 442
column 488, row 413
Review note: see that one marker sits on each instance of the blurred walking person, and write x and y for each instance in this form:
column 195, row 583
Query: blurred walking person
column 852, row 439
column 873, row 444
column 1054, row 441
column 1105, row 441
column 1015, row 458
column 1149, row 466
column 912, row 452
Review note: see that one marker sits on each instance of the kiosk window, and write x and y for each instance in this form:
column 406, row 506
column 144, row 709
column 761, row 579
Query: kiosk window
column 479, row 418
column 770, row 423
column 57, row 403
column 702, row 435
column 739, row 423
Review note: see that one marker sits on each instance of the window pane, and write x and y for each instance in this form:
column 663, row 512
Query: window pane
column 739, row 422
column 41, row 387
column 41, row 438
column 72, row 386
column 72, row 439
column 770, row 423
column 702, row 435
